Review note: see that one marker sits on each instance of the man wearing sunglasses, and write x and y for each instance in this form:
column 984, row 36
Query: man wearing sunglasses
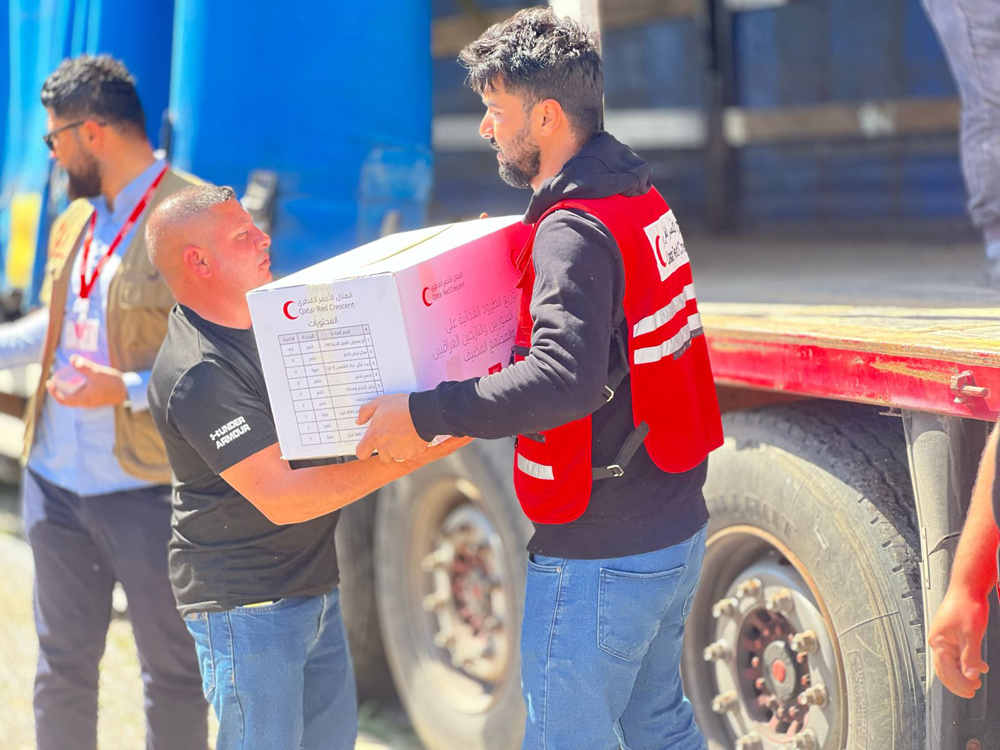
column 96, row 488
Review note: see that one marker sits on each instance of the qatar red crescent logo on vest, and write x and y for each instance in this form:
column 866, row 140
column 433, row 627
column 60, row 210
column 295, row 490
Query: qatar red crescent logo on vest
column 659, row 253
column 667, row 244
column 425, row 294
column 284, row 309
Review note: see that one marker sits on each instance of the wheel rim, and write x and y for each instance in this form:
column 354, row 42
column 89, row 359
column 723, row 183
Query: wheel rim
column 460, row 595
column 763, row 649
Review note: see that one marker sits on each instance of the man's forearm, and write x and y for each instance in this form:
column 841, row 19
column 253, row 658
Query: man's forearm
column 310, row 493
column 521, row 399
column 21, row 341
column 975, row 566
column 287, row 496
column 574, row 298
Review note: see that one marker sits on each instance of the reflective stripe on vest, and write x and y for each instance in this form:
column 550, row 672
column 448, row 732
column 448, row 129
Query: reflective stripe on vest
column 536, row 470
column 665, row 314
column 675, row 346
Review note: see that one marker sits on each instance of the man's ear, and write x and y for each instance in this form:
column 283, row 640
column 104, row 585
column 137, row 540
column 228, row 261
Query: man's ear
column 549, row 117
column 92, row 135
column 195, row 261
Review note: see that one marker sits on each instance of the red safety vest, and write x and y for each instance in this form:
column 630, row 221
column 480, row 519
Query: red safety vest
column 674, row 404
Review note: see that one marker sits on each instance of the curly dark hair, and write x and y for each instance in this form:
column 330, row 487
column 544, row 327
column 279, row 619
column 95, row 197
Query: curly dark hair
column 539, row 56
column 96, row 86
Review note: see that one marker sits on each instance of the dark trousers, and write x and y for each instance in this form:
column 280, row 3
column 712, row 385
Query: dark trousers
column 81, row 546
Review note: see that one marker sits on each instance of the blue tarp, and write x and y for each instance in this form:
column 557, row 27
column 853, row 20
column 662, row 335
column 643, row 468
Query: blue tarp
column 43, row 32
column 335, row 100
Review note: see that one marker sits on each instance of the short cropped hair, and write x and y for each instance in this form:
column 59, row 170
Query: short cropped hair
column 176, row 211
column 97, row 86
column 192, row 200
column 539, row 56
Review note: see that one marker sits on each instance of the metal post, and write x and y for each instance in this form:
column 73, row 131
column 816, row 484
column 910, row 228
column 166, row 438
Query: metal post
column 720, row 162
column 944, row 457
column 584, row 11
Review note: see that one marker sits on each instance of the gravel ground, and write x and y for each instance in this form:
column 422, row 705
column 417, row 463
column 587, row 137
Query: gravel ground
column 120, row 722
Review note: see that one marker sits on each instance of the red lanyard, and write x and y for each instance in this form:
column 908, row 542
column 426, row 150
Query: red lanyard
column 86, row 286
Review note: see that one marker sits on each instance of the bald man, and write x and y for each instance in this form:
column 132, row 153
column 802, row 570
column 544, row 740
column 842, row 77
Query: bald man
column 252, row 557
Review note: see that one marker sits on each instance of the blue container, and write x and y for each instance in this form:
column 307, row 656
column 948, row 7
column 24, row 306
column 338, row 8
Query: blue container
column 666, row 53
column 41, row 34
column 335, row 103
column 837, row 51
column 844, row 52
column 4, row 78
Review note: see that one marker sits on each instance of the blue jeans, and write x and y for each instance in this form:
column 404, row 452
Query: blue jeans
column 279, row 676
column 81, row 546
column 601, row 649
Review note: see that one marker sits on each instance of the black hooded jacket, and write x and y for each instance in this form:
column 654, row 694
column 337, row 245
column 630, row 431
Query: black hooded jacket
column 577, row 296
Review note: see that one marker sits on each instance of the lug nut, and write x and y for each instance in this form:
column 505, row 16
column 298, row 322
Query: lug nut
column 749, row 741
column 814, row 696
column 805, row 740
column 443, row 641
column 804, row 642
column 768, row 701
column 716, row 651
column 725, row 702
column 749, row 589
column 442, row 556
column 760, row 683
column 780, row 601
column 725, row 607
column 435, row 601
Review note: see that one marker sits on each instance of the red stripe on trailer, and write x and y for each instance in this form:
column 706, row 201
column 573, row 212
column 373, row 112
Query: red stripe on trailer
column 891, row 380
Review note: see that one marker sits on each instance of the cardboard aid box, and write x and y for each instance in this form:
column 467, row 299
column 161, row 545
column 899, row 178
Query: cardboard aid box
column 400, row 314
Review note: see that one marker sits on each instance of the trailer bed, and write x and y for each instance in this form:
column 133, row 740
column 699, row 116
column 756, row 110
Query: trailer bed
column 897, row 325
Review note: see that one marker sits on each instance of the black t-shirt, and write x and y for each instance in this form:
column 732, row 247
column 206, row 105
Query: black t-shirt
column 208, row 398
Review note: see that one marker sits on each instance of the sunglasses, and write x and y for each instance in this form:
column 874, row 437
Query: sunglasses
column 50, row 137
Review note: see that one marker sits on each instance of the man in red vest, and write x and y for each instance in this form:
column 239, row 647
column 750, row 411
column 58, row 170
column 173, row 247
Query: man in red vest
column 956, row 634
column 610, row 395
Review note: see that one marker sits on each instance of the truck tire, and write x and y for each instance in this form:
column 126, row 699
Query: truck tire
column 808, row 620
column 355, row 552
column 449, row 544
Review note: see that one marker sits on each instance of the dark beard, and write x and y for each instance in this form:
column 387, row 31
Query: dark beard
column 84, row 182
column 520, row 172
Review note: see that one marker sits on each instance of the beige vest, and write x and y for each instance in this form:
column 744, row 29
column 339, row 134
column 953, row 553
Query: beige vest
column 138, row 304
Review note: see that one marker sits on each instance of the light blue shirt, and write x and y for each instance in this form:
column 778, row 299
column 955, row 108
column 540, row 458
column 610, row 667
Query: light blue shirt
column 74, row 447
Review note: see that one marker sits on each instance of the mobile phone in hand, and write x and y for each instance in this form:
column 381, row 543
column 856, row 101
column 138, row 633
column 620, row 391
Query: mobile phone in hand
column 69, row 380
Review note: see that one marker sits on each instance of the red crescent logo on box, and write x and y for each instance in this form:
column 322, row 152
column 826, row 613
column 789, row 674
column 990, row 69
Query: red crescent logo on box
column 288, row 315
column 423, row 296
